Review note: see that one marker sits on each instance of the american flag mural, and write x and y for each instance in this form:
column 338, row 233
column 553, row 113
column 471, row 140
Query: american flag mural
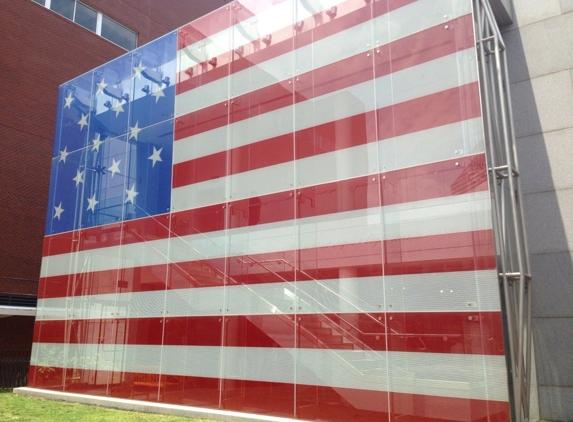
column 281, row 208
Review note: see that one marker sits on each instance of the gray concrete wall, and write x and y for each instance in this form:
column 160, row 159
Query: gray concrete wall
column 540, row 52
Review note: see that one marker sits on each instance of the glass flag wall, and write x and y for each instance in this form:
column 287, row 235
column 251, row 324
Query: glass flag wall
column 281, row 208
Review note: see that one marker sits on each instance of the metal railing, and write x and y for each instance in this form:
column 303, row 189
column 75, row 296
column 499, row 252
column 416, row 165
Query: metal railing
column 14, row 368
column 508, row 223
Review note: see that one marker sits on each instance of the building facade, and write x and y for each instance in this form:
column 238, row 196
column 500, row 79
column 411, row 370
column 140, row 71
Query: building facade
column 41, row 48
column 541, row 62
column 300, row 226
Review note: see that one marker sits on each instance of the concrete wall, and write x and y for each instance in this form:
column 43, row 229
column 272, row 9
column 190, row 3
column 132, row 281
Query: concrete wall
column 540, row 52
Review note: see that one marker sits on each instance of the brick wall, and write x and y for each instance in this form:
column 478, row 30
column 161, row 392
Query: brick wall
column 21, row 329
column 40, row 50
column 151, row 18
column 18, row 286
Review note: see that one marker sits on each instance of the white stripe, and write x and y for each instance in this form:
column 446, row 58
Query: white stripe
column 405, row 21
column 479, row 377
column 451, row 214
column 415, row 149
column 427, row 78
column 467, row 291
column 279, row 16
column 424, row 14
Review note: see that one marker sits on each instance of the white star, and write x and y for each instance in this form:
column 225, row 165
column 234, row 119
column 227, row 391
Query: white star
column 118, row 109
column 157, row 94
column 92, row 203
column 131, row 194
column 58, row 211
column 97, row 142
column 64, row 154
column 114, row 168
column 155, row 157
column 101, row 86
column 134, row 131
column 68, row 101
column 83, row 121
column 79, row 177
column 138, row 69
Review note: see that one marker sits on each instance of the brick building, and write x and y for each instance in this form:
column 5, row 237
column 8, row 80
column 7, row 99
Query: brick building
column 45, row 43
column 41, row 49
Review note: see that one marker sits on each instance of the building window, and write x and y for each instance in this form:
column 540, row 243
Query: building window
column 86, row 17
column 63, row 7
column 118, row 34
column 93, row 21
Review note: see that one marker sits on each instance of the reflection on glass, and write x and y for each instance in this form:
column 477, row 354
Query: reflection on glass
column 322, row 248
column 118, row 34
column 63, row 7
column 85, row 17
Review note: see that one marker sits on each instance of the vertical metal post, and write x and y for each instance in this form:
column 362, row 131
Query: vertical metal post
column 509, row 229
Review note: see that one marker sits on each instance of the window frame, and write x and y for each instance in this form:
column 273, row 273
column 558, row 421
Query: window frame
column 90, row 8
column 99, row 21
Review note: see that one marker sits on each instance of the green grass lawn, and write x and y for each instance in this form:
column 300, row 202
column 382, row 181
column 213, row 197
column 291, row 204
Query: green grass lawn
column 19, row 408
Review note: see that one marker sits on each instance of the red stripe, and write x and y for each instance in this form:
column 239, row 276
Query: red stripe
column 312, row 402
column 336, row 76
column 446, row 178
column 425, row 332
column 467, row 251
column 206, row 26
column 312, row 29
column 429, row 181
column 222, row 18
column 277, row 150
column 445, row 107
column 449, row 106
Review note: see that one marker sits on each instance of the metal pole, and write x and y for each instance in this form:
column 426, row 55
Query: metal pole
column 508, row 216
column 529, row 328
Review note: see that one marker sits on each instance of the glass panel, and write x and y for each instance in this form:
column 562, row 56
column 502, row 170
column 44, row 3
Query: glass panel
column 148, row 172
column 118, row 34
column 306, row 234
column 105, row 183
column 63, row 7
column 73, row 128
column 47, row 366
column 112, row 100
column 51, row 211
column 191, row 364
column 154, row 76
column 47, row 358
column 89, row 305
column 258, row 372
column 341, row 366
column 191, row 360
column 85, row 16
column 107, row 152
column 139, row 309
column 436, row 262
column 68, row 164
column 42, row 2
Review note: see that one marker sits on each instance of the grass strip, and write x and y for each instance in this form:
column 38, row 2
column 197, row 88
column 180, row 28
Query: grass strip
column 31, row 409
